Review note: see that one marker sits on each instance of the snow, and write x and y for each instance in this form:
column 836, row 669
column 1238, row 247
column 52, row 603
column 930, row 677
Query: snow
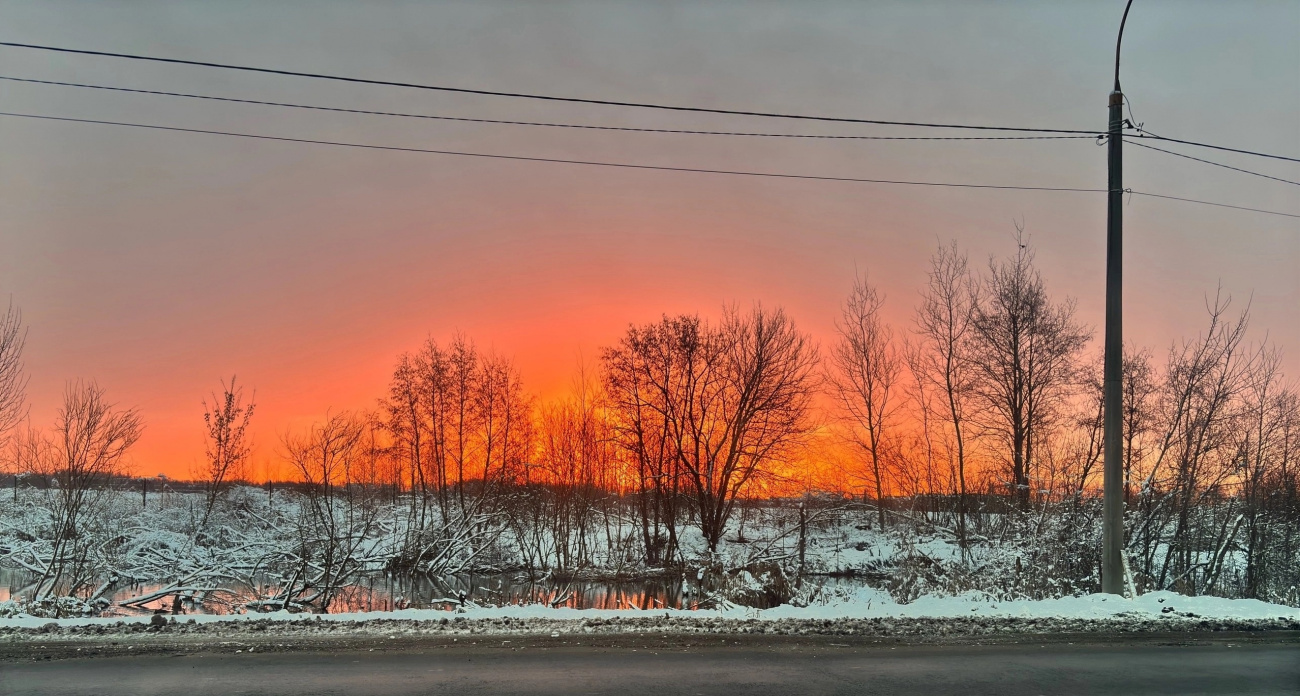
column 870, row 603
column 1161, row 607
column 908, row 572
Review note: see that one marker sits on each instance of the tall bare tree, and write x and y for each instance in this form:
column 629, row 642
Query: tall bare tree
column 335, row 517
column 503, row 423
column 637, row 375
column 91, row 437
column 1139, row 386
column 13, row 380
column 403, row 418
column 462, row 416
column 225, row 422
column 864, row 373
column 1201, row 414
column 575, row 455
column 944, row 323
column 461, row 427
column 735, row 398
column 924, row 445
column 1270, row 412
column 1026, row 359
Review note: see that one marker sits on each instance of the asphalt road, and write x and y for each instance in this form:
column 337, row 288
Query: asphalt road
column 827, row 668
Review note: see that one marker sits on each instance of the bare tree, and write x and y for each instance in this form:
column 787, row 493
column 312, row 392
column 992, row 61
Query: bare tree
column 461, row 424
column 865, row 369
column 1200, row 414
column 944, row 322
column 1025, row 355
column 30, row 453
column 335, row 516
column 1269, row 411
column 462, row 414
column 91, row 437
column 1138, row 423
column 502, row 434
column 410, row 412
column 924, row 442
column 734, row 397
column 225, row 421
column 1084, row 451
column 13, row 380
column 1138, row 386
column 575, row 455
column 637, row 375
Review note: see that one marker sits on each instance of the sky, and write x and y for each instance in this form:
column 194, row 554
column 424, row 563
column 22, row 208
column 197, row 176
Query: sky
column 158, row 263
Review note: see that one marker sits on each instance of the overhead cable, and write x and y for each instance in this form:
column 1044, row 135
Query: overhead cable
column 524, row 95
column 623, row 165
column 1132, row 141
column 607, row 102
column 1149, row 134
column 1217, row 205
column 626, row 165
column 463, row 119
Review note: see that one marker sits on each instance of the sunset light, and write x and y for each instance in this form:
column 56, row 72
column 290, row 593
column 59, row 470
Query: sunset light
column 720, row 347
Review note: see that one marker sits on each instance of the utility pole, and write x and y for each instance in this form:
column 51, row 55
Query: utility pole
column 1112, row 527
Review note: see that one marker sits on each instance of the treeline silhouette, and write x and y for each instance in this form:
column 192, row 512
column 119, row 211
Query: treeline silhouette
column 977, row 421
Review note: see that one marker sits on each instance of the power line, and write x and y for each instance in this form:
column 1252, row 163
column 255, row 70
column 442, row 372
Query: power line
column 625, row 165
column 1137, row 125
column 621, row 165
column 1149, row 134
column 1217, row 205
column 1132, row 141
column 605, row 102
column 536, row 123
column 542, row 97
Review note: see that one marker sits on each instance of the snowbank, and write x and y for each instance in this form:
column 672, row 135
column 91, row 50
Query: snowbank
column 863, row 604
column 869, row 604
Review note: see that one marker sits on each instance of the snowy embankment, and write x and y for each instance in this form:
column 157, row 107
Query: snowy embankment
column 866, row 612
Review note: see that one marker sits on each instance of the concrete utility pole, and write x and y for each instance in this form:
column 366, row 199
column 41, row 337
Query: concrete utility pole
column 1112, row 528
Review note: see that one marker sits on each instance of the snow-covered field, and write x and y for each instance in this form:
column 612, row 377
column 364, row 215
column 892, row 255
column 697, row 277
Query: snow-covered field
column 864, row 604
column 837, row 572
column 867, row 612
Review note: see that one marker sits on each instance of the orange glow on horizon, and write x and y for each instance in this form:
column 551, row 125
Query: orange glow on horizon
column 158, row 263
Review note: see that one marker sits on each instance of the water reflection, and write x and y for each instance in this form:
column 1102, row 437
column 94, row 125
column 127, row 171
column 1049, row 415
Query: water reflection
column 379, row 592
column 384, row 593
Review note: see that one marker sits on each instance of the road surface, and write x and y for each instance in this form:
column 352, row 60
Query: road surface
column 823, row 667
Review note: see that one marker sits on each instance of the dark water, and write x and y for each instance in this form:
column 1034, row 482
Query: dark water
column 379, row 592
column 383, row 593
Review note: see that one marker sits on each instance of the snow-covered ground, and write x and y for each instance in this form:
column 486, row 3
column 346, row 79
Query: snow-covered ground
column 870, row 612
column 913, row 571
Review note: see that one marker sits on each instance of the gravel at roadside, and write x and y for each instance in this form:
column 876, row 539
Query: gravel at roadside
column 55, row 641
